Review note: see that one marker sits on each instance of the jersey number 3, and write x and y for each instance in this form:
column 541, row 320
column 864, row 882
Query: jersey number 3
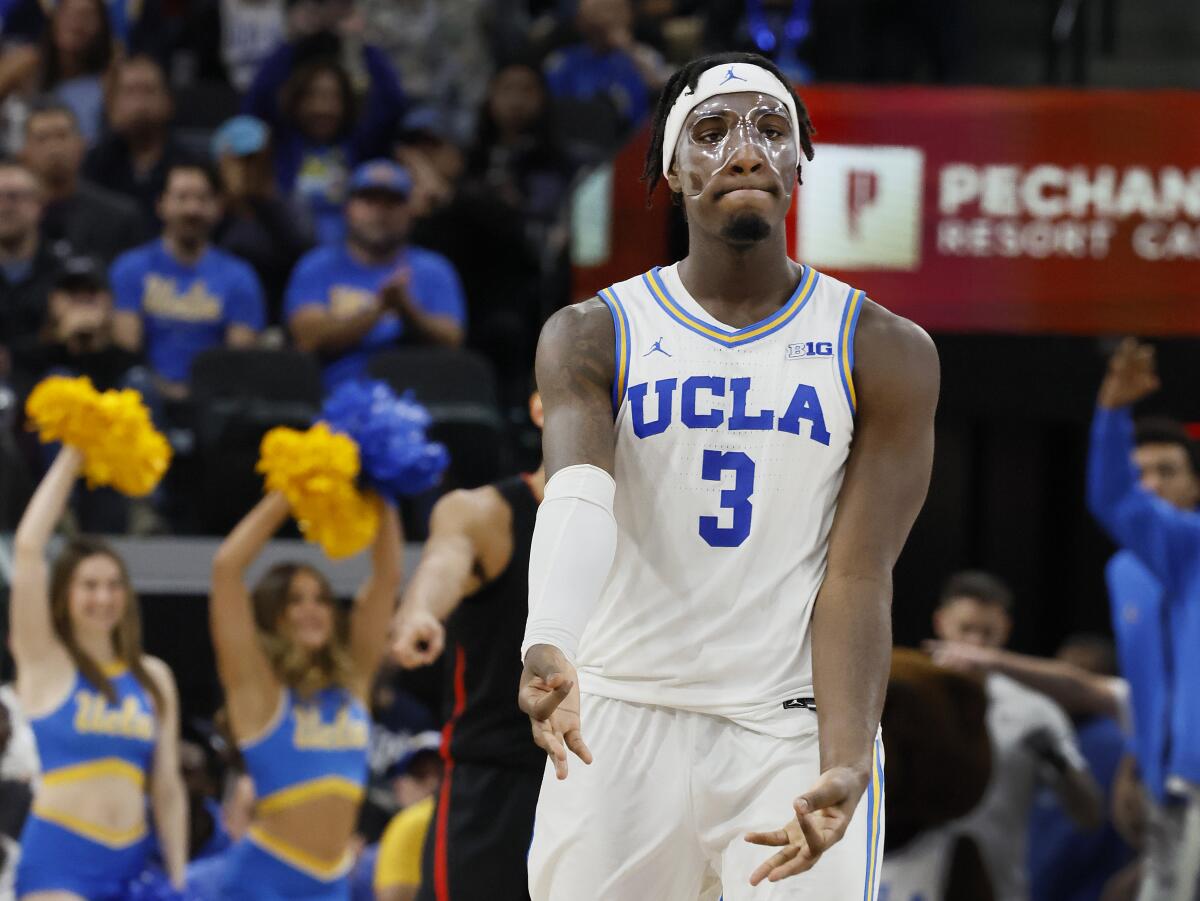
column 737, row 498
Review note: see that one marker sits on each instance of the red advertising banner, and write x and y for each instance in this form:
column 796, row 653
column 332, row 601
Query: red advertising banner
column 978, row 210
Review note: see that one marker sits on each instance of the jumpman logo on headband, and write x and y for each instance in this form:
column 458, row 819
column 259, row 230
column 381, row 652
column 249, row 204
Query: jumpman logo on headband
column 729, row 76
column 656, row 346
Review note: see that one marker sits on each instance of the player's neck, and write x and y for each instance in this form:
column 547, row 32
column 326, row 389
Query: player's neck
column 715, row 270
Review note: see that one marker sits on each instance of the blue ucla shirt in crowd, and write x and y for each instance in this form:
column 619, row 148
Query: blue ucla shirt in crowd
column 581, row 73
column 1166, row 542
column 185, row 309
column 1141, row 628
column 330, row 277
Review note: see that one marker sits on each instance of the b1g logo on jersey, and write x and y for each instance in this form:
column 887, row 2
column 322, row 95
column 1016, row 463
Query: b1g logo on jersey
column 860, row 208
column 809, row 350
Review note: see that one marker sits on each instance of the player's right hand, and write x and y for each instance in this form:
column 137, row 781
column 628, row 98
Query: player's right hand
column 1131, row 375
column 419, row 640
column 549, row 695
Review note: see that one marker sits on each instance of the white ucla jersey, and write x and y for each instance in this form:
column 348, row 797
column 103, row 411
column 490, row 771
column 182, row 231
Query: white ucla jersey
column 731, row 447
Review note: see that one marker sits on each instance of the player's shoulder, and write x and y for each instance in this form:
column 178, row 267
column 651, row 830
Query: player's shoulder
column 582, row 324
column 577, row 345
column 471, row 508
column 881, row 329
column 876, row 324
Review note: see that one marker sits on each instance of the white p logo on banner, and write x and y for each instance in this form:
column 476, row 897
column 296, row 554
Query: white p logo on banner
column 860, row 208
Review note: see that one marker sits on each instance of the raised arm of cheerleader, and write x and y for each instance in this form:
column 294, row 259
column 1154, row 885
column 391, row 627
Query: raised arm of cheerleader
column 34, row 643
column 251, row 688
column 168, row 796
column 375, row 603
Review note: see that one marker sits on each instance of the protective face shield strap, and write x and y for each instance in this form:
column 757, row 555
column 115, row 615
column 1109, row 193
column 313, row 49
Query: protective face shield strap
column 724, row 79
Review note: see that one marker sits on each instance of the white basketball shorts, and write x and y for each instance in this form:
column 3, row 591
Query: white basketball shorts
column 662, row 812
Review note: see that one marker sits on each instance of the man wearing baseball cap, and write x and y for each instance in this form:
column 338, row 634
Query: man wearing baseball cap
column 76, row 336
column 268, row 231
column 350, row 300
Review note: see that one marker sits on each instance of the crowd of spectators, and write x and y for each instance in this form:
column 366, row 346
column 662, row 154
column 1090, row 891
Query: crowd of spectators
column 217, row 162
column 333, row 176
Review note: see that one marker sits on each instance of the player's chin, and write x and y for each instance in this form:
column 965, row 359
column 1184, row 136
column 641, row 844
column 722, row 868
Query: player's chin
column 745, row 227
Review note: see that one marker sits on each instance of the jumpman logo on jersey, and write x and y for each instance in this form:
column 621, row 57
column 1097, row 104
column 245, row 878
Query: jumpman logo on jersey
column 729, row 76
column 656, row 346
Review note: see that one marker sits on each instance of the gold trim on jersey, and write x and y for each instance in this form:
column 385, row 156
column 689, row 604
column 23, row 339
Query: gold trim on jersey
column 117, row 839
column 104, row 766
column 326, row 786
column 309, row 864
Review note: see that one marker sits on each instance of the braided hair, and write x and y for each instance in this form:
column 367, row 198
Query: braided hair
column 688, row 77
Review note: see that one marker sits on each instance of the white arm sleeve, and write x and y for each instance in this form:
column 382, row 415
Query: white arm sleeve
column 574, row 543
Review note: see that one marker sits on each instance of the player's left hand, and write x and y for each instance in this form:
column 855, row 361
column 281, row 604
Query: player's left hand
column 822, row 816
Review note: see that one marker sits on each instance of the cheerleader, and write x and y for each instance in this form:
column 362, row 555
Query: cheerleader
column 295, row 688
column 296, row 676
column 104, row 714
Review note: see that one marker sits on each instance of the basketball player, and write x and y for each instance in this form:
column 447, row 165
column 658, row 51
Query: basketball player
column 474, row 577
column 745, row 443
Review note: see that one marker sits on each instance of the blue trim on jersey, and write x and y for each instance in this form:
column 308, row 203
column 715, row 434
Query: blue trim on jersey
column 875, row 827
column 870, row 837
column 854, row 305
column 723, row 337
column 881, row 800
column 621, row 346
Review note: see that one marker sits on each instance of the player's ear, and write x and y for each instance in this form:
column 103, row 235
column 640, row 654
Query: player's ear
column 674, row 182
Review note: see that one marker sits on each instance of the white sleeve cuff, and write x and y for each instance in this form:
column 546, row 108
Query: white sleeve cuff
column 574, row 543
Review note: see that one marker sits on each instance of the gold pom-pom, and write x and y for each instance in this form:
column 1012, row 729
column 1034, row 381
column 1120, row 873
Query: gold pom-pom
column 112, row 430
column 316, row 471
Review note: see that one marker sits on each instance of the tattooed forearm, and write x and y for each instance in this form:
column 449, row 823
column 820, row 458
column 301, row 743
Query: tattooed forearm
column 574, row 375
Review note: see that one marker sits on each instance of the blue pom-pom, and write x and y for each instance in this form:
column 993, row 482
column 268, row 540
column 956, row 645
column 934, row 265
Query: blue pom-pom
column 397, row 458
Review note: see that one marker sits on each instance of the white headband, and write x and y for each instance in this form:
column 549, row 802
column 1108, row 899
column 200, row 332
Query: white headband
column 724, row 79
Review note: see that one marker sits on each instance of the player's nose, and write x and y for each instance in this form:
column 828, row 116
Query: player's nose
column 747, row 158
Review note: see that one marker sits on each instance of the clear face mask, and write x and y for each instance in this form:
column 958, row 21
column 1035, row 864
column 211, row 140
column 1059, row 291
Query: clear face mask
column 715, row 133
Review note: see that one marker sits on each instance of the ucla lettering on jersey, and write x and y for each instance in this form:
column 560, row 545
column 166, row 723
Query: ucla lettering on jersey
column 311, row 732
column 693, row 412
column 129, row 720
column 730, row 450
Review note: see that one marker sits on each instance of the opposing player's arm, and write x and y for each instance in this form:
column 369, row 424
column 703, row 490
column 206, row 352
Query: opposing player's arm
column 575, row 539
column 469, row 544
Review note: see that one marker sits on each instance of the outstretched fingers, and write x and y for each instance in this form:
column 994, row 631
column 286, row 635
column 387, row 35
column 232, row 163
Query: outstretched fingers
column 551, row 742
column 578, row 746
column 559, row 687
